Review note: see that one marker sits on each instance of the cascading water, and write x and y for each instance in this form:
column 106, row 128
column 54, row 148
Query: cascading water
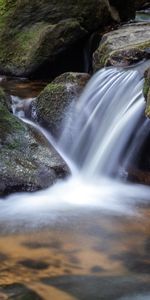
column 105, row 118
column 99, row 140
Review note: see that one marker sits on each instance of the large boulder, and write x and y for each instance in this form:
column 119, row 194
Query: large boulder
column 124, row 46
column 147, row 92
column 52, row 104
column 27, row 161
column 33, row 34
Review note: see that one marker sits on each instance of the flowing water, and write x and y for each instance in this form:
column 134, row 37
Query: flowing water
column 143, row 15
column 87, row 237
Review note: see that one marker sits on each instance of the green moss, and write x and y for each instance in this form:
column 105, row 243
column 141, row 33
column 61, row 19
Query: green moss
column 8, row 123
column 53, row 88
column 106, row 57
column 2, row 96
column 146, row 87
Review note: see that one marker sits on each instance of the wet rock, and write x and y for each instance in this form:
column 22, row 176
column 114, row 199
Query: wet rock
column 5, row 99
column 17, row 291
column 52, row 104
column 124, row 46
column 141, row 4
column 139, row 176
column 33, row 34
column 147, row 92
column 125, row 12
column 27, row 161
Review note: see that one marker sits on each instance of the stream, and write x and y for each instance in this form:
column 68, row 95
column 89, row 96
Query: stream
column 88, row 237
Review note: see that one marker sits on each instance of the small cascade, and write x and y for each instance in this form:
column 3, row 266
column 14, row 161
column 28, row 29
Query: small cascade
column 21, row 107
column 105, row 123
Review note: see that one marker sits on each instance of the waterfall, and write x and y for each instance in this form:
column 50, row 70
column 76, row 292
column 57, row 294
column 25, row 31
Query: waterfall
column 100, row 140
column 105, row 123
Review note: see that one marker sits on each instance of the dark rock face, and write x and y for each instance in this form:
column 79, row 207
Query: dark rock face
column 147, row 92
column 125, row 12
column 35, row 33
column 52, row 104
column 125, row 46
column 27, row 161
column 141, row 4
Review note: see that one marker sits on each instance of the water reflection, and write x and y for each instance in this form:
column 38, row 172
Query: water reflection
column 22, row 87
column 93, row 256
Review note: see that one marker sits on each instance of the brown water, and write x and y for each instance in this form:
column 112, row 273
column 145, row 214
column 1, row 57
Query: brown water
column 94, row 256
column 22, row 87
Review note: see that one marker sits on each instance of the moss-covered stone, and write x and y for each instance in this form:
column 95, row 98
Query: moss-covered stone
column 52, row 104
column 5, row 99
column 34, row 33
column 27, row 161
column 125, row 46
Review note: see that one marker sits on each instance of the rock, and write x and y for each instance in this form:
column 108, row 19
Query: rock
column 5, row 99
column 126, row 11
column 17, row 291
column 27, row 161
column 141, row 4
column 52, row 104
column 139, row 176
column 124, row 46
column 33, row 34
column 147, row 92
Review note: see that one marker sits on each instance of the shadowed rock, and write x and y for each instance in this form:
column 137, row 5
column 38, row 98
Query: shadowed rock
column 34, row 34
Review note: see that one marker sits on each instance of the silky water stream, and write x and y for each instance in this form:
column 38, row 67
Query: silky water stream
column 87, row 237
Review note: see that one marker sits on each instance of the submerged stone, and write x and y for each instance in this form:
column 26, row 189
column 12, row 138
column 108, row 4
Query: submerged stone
column 27, row 161
column 122, row 47
column 52, row 104
column 17, row 291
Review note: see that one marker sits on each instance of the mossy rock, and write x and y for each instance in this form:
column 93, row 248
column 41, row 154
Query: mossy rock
column 52, row 104
column 123, row 47
column 146, row 92
column 34, row 33
column 5, row 99
column 27, row 161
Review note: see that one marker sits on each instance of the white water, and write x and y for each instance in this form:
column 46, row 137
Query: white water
column 99, row 141
column 107, row 115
